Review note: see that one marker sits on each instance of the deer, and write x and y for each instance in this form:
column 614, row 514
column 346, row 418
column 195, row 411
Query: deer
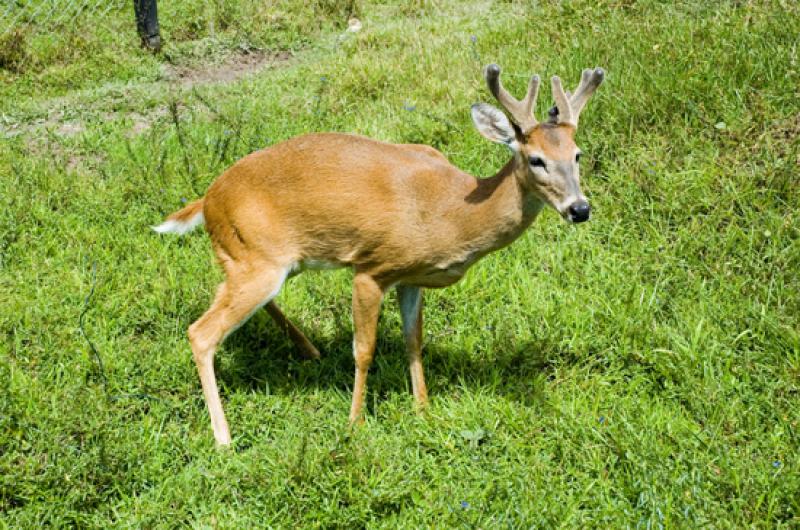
column 399, row 215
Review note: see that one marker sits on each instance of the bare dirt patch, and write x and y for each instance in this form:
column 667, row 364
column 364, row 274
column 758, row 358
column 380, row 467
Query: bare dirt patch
column 231, row 69
column 70, row 128
column 61, row 124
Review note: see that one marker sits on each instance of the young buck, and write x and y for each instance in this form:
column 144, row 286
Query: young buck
column 398, row 215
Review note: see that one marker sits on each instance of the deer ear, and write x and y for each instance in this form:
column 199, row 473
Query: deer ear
column 493, row 124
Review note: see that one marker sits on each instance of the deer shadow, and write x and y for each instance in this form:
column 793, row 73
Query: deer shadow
column 260, row 356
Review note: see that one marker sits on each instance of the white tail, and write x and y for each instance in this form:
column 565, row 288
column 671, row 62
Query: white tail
column 398, row 215
column 183, row 221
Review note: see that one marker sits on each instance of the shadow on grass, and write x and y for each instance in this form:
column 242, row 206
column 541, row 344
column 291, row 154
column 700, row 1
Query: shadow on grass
column 260, row 356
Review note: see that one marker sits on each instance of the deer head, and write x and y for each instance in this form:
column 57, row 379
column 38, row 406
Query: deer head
column 545, row 155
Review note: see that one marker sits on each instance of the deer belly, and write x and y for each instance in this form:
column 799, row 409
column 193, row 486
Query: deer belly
column 317, row 265
column 440, row 276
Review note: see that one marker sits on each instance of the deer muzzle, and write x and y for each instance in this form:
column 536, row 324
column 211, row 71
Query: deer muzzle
column 579, row 211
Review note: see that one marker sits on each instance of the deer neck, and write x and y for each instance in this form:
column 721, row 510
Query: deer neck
column 501, row 207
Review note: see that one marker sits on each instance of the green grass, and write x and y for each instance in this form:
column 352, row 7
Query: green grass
column 640, row 370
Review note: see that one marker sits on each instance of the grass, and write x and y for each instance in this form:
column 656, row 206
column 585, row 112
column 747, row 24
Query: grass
column 640, row 370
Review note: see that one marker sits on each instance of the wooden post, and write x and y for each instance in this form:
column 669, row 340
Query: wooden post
column 147, row 23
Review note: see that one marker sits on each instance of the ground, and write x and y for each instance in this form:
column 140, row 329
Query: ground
column 638, row 370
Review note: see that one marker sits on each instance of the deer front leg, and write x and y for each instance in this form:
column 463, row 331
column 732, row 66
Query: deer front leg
column 367, row 297
column 410, row 300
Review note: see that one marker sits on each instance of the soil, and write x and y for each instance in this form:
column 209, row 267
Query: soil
column 183, row 77
column 232, row 69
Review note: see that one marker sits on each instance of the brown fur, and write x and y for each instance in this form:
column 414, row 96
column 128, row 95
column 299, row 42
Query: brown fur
column 187, row 212
column 388, row 210
column 396, row 214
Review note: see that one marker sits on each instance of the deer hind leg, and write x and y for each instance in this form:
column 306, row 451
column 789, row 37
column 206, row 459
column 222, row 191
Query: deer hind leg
column 367, row 297
column 307, row 349
column 410, row 300
column 237, row 298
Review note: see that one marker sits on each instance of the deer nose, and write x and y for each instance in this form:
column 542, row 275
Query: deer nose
column 579, row 211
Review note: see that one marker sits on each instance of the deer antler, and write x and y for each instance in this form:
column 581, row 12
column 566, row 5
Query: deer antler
column 521, row 111
column 569, row 106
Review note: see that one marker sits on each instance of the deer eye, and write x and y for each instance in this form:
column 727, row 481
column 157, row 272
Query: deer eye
column 537, row 162
column 578, row 157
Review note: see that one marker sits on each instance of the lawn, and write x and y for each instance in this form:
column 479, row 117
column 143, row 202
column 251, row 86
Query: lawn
column 640, row 370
